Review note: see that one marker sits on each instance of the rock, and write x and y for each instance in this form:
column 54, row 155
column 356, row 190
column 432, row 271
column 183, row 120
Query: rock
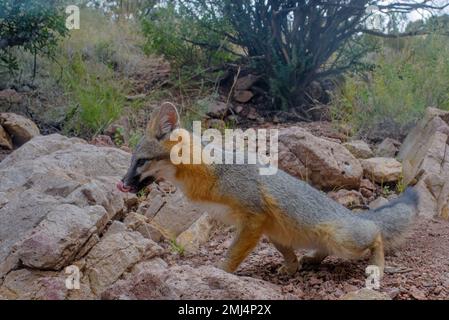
column 366, row 294
column 347, row 198
column 112, row 256
column 327, row 164
column 252, row 113
column 26, row 284
column 388, row 148
column 367, row 188
column 290, row 163
column 417, row 294
column 246, row 82
column 185, row 282
column 102, row 141
column 379, row 202
column 119, row 130
column 139, row 223
column 5, row 139
column 359, row 148
column 19, row 128
column 175, row 215
column 153, row 204
column 56, row 240
column 243, row 96
column 197, row 234
column 425, row 156
column 60, row 193
column 142, row 286
column 367, row 184
column 217, row 109
column 382, row 170
column 239, row 109
column 156, row 265
column 393, row 292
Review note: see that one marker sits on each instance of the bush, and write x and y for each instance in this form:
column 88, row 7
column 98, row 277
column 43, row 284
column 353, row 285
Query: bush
column 97, row 60
column 177, row 35
column 31, row 25
column 404, row 82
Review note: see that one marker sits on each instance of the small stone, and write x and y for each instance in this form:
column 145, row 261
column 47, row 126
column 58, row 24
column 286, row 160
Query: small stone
column 388, row 148
column 417, row 293
column 379, row 202
column 348, row 198
column 246, row 82
column 366, row 294
column 365, row 183
column 360, row 149
column 382, row 170
column 393, row 292
column 19, row 128
column 217, row 109
column 243, row 96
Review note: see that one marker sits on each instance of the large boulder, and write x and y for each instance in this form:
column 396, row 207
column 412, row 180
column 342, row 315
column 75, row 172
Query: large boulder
column 425, row 157
column 58, row 194
column 19, row 128
column 185, row 282
column 326, row 164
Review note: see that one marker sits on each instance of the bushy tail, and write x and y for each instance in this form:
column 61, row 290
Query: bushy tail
column 396, row 217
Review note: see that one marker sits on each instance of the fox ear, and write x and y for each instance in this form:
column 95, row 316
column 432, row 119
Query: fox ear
column 164, row 122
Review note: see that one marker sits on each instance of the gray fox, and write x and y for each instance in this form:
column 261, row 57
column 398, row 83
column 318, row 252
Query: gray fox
column 290, row 212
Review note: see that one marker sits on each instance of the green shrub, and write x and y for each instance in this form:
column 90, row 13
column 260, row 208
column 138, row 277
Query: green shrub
column 96, row 61
column 402, row 84
column 177, row 35
column 31, row 25
column 97, row 97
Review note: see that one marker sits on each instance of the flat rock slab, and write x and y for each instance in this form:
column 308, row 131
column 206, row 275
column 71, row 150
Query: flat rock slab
column 56, row 193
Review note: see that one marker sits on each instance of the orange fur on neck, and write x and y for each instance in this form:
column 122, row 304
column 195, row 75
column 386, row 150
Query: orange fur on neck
column 198, row 179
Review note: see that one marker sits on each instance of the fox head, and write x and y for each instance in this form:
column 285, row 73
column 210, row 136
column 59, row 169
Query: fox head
column 151, row 158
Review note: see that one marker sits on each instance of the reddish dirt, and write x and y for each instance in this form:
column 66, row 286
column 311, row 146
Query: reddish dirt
column 418, row 270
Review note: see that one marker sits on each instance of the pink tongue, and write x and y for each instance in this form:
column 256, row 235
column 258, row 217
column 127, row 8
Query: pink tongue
column 122, row 187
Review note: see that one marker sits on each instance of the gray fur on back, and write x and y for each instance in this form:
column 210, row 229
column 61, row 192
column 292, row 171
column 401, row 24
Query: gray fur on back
column 309, row 206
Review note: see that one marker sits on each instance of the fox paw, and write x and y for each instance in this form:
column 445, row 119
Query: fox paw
column 288, row 269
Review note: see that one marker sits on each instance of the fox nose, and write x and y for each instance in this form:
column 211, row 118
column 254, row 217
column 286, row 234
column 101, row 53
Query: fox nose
column 122, row 187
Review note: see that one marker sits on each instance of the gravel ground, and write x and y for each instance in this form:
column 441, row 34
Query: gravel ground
column 417, row 270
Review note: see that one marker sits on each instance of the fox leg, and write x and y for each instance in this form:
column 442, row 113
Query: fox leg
column 312, row 259
column 377, row 254
column 244, row 242
column 291, row 264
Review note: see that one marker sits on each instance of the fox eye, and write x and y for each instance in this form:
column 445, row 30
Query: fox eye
column 141, row 162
